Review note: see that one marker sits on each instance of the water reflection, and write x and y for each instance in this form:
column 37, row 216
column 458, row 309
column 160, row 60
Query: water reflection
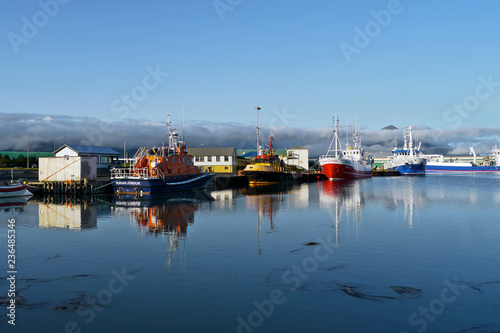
column 339, row 197
column 67, row 213
column 268, row 199
column 164, row 215
column 17, row 204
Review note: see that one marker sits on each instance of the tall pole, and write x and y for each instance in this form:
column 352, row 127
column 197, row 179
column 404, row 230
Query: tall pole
column 258, row 131
column 61, row 137
column 28, row 153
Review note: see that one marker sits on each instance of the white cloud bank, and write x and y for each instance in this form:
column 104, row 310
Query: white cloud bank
column 15, row 128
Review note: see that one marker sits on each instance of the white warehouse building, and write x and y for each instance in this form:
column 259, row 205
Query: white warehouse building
column 298, row 156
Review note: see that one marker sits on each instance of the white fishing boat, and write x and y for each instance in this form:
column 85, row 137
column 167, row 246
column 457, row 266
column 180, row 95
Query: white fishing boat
column 8, row 190
column 348, row 163
column 408, row 161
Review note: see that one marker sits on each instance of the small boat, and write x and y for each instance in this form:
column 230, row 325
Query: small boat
column 268, row 169
column 409, row 160
column 348, row 163
column 160, row 170
column 8, row 190
column 438, row 164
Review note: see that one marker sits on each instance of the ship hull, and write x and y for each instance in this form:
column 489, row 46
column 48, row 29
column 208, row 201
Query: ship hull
column 408, row 166
column 449, row 167
column 266, row 177
column 9, row 191
column 161, row 185
column 410, row 169
column 339, row 169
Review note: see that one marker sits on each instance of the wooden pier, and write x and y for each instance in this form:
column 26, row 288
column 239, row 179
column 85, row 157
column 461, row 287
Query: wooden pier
column 70, row 187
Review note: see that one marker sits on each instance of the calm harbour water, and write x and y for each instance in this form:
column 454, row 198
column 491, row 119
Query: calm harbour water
column 392, row 254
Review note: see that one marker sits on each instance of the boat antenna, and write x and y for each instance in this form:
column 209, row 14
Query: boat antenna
column 346, row 133
column 396, row 139
column 183, row 133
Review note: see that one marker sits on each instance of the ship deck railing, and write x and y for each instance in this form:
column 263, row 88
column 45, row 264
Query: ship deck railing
column 119, row 173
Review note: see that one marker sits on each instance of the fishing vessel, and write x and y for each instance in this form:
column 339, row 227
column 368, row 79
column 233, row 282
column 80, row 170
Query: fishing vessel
column 160, row 169
column 347, row 163
column 439, row 164
column 268, row 169
column 409, row 160
column 8, row 190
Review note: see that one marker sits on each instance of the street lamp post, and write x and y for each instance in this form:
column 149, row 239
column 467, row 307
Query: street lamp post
column 258, row 130
column 59, row 138
column 28, row 152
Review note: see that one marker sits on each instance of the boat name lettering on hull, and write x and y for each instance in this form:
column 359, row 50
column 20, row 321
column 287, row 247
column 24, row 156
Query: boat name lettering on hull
column 129, row 182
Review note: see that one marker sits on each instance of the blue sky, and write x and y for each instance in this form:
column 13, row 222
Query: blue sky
column 283, row 56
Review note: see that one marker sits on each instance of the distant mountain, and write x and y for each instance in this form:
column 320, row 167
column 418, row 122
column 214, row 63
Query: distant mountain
column 390, row 127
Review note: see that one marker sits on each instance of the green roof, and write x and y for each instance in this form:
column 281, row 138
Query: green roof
column 37, row 154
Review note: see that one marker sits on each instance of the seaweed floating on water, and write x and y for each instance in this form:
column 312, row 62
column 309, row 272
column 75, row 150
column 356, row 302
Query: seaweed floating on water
column 483, row 328
column 334, row 268
column 74, row 304
column 354, row 292
column 273, row 275
column 53, row 257
column 20, row 302
column 407, row 292
column 478, row 286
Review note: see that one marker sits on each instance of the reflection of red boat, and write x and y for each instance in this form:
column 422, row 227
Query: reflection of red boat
column 14, row 190
column 336, row 189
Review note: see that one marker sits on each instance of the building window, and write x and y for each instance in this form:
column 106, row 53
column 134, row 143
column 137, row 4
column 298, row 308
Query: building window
column 226, row 158
column 217, row 158
column 104, row 160
column 198, row 158
column 209, row 158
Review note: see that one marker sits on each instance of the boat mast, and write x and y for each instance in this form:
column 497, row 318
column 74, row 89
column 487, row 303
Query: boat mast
column 337, row 141
column 335, row 148
column 410, row 143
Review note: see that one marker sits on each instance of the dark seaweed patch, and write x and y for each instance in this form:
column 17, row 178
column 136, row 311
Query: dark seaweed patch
column 334, row 268
column 354, row 292
column 273, row 275
column 407, row 292
column 74, row 304
column 483, row 328
column 54, row 257
column 479, row 286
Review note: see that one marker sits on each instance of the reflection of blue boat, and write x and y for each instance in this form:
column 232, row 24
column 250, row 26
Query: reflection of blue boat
column 148, row 200
column 408, row 161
